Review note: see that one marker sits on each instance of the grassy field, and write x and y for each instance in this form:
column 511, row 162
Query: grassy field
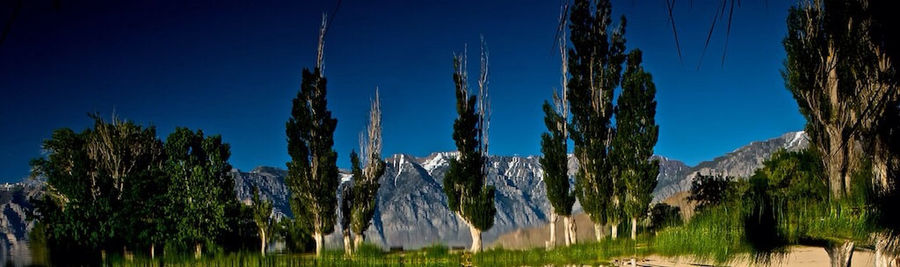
column 595, row 253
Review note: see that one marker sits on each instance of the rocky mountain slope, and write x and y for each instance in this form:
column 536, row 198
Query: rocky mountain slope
column 676, row 177
column 14, row 226
column 412, row 210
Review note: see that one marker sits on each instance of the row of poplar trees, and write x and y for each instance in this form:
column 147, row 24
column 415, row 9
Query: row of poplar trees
column 313, row 173
column 616, row 175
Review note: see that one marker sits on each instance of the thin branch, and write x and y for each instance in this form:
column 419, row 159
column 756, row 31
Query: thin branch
column 670, row 6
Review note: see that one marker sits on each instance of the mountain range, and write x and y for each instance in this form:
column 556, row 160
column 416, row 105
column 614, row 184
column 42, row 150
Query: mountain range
column 412, row 210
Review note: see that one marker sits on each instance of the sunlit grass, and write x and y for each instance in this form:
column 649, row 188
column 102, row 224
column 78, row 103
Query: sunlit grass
column 715, row 234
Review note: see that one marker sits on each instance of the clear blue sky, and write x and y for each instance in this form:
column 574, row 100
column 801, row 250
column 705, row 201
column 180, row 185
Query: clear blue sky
column 232, row 68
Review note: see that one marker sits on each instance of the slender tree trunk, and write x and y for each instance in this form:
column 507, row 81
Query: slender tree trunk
column 358, row 240
column 840, row 254
column 552, row 242
column 348, row 243
column 262, row 242
column 633, row 228
column 152, row 251
column 476, row 238
column 198, row 251
column 571, row 230
column 598, row 231
column 320, row 242
column 615, row 230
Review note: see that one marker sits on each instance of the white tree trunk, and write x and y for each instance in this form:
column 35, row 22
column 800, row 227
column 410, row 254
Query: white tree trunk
column 615, row 230
column 633, row 228
column 570, row 230
column 358, row 240
column 152, row 251
column 320, row 242
column 476, row 238
column 840, row 254
column 348, row 245
column 262, row 242
column 552, row 242
column 198, row 251
column 598, row 231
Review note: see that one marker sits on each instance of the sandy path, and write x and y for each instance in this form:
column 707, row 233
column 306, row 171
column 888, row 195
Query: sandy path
column 799, row 256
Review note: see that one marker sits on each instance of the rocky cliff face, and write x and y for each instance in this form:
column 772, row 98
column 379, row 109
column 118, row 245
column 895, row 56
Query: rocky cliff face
column 14, row 226
column 412, row 210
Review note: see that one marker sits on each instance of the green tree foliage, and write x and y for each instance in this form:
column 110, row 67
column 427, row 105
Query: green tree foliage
column 636, row 135
column 201, row 188
column 98, row 183
column 840, row 69
column 262, row 216
column 839, row 72
column 711, row 190
column 312, row 172
column 595, row 63
column 464, row 184
column 663, row 215
column 795, row 177
column 555, row 162
column 366, row 178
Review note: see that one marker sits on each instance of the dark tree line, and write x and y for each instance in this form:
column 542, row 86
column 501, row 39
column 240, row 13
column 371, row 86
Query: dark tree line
column 117, row 188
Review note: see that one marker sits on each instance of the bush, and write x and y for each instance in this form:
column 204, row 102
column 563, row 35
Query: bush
column 663, row 215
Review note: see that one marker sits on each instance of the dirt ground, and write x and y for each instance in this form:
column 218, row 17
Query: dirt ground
column 799, row 256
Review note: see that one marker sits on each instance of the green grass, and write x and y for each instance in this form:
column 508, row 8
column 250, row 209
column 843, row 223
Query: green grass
column 593, row 253
column 366, row 255
column 715, row 234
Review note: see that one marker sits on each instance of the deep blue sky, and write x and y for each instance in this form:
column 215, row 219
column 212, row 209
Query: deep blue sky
column 232, row 68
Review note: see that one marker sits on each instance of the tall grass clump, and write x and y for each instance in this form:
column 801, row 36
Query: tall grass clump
column 596, row 253
column 715, row 234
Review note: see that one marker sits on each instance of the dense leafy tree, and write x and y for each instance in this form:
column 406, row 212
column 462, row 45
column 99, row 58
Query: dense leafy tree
column 663, row 215
column 201, row 188
column 636, row 135
column 711, row 190
column 464, row 184
column 312, row 172
column 97, row 182
column 262, row 216
column 366, row 178
column 595, row 63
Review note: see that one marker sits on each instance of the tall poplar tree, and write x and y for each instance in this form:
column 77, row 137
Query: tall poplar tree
column 595, row 64
column 636, row 135
column 312, row 172
column 366, row 178
column 554, row 146
column 464, row 184
column 840, row 69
